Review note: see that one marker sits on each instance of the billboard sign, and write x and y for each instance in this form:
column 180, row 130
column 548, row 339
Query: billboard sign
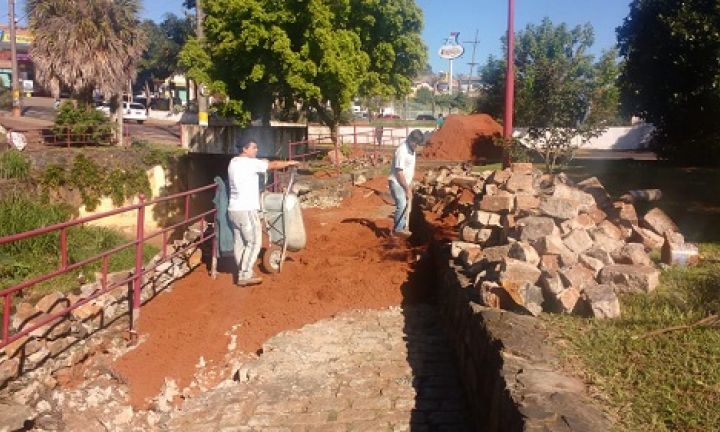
column 451, row 48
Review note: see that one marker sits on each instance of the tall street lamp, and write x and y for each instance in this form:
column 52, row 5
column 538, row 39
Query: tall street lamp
column 509, row 81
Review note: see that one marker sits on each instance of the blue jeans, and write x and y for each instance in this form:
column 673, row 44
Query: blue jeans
column 402, row 213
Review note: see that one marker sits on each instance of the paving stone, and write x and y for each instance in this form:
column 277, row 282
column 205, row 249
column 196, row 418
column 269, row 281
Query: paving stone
column 359, row 371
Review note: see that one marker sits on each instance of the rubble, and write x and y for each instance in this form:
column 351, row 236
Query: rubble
column 534, row 242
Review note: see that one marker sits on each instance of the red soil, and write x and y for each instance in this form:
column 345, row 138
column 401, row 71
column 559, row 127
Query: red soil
column 349, row 263
column 465, row 138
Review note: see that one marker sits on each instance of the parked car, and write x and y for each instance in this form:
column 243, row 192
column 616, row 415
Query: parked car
column 425, row 117
column 389, row 116
column 131, row 111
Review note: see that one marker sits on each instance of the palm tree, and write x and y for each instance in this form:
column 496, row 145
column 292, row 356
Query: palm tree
column 85, row 44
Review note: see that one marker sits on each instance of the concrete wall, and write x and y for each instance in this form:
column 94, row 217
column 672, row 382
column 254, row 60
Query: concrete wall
column 272, row 141
column 615, row 138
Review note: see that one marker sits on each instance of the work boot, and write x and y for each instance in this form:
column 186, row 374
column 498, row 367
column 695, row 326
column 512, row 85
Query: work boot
column 249, row 281
column 403, row 233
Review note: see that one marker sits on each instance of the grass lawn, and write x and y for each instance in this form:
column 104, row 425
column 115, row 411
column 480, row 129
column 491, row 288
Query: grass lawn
column 669, row 381
column 25, row 259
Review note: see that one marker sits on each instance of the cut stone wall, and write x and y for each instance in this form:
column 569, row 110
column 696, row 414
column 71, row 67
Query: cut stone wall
column 512, row 378
column 31, row 365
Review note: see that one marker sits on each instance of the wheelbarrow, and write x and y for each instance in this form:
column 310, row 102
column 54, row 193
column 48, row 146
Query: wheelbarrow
column 283, row 224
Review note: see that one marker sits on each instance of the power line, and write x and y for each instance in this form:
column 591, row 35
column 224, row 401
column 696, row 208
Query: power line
column 472, row 63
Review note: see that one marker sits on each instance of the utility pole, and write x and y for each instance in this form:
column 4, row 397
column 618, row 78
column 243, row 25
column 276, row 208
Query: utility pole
column 472, row 63
column 13, row 60
column 200, row 89
column 509, row 82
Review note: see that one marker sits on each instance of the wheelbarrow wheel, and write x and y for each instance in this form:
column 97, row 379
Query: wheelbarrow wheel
column 272, row 259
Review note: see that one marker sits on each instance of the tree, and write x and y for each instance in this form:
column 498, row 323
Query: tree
column 558, row 95
column 424, row 96
column 85, row 45
column 320, row 53
column 671, row 76
column 160, row 58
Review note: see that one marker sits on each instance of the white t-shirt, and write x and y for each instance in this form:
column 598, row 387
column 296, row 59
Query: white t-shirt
column 245, row 183
column 405, row 161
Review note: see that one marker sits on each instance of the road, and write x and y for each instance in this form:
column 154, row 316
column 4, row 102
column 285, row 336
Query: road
column 153, row 130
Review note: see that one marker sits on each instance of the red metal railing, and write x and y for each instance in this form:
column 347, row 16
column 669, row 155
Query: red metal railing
column 136, row 276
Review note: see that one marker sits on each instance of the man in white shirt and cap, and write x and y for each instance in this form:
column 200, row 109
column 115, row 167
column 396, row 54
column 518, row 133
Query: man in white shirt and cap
column 402, row 172
column 244, row 207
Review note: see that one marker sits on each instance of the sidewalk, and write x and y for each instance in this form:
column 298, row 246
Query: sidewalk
column 8, row 122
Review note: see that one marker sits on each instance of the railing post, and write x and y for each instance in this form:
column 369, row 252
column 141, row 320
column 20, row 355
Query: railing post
column 138, row 276
column 187, row 207
column 63, row 249
column 7, row 298
column 354, row 134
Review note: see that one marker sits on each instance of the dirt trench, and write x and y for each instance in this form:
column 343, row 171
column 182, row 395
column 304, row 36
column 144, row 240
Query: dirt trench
column 350, row 262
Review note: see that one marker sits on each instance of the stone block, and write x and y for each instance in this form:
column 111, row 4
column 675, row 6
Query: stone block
column 550, row 263
column 14, row 416
column 552, row 283
column 604, row 241
column 632, row 253
column 485, row 219
column 458, row 246
column 553, row 245
column 611, row 230
column 515, row 273
column 87, row 311
column 602, row 301
column 626, row 213
column 524, row 252
column 497, row 203
column 9, row 369
column 533, row 228
column 496, row 254
column 519, row 183
column 593, row 186
column 600, row 254
column 582, row 221
column 24, row 312
column 630, row 278
column 470, row 256
column 577, row 276
column 469, row 234
column 584, row 201
column 521, row 167
column 501, row 176
column 597, row 215
column 647, row 237
column 559, row 208
column 491, row 189
column 51, row 302
column 526, row 202
column 593, row 264
column 658, row 222
column 578, row 241
column 567, row 300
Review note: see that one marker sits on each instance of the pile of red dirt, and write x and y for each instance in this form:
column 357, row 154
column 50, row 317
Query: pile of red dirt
column 350, row 262
column 465, row 138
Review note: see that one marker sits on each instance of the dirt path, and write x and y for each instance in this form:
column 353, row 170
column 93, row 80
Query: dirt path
column 349, row 263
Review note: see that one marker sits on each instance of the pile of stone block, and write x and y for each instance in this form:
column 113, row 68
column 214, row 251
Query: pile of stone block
column 534, row 242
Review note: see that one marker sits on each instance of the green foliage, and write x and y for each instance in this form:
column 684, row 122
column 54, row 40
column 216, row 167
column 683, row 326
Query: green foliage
column 160, row 58
column 671, row 75
column 82, row 124
column 561, row 95
column 14, row 164
column 85, row 46
column 319, row 53
column 94, row 181
column 424, row 96
column 39, row 255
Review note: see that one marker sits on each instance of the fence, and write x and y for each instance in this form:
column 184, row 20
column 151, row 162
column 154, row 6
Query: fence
column 76, row 135
column 136, row 277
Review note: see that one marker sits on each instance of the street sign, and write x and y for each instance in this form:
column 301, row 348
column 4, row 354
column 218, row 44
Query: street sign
column 451, row 48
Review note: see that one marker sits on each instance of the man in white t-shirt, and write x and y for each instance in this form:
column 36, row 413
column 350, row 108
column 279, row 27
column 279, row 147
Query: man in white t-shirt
column 244, row 207
column 402, row 172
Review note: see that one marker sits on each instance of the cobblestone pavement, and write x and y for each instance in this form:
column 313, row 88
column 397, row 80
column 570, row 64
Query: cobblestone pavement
column 387, row 370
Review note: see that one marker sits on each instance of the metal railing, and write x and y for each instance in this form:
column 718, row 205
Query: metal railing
column 136, row 277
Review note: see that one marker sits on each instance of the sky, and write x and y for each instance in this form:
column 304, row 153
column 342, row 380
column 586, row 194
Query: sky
column 488, row 17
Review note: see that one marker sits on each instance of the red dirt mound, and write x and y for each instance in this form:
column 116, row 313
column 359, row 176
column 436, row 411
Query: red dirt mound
column 463, row 138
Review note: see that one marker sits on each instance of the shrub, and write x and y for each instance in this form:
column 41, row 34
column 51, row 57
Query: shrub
column 82, row 124
column 14, row 164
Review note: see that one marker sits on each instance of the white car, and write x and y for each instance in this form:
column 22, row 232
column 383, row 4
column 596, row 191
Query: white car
column 131, row 111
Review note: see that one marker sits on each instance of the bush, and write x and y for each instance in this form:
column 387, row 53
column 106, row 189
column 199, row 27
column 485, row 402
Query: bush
column 14, row 164
column 82, row 124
